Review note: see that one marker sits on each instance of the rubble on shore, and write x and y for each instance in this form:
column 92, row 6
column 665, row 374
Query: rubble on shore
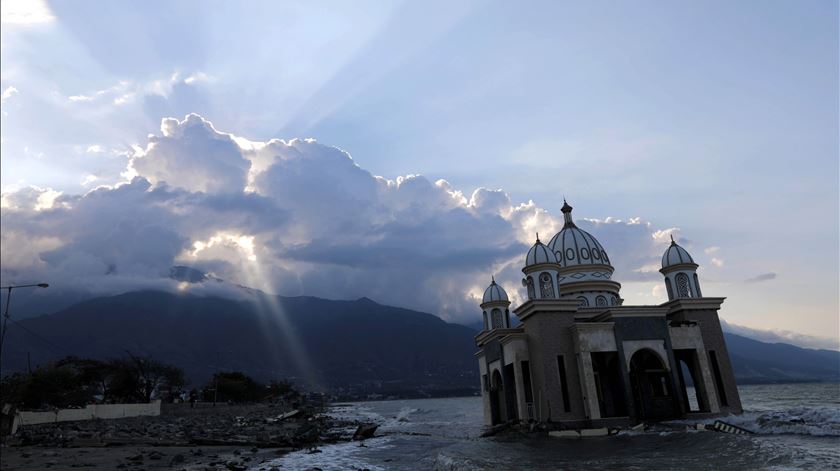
column 212, row 438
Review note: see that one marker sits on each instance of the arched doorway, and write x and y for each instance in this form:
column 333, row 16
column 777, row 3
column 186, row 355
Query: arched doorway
column 653, row 393
column 498, row 407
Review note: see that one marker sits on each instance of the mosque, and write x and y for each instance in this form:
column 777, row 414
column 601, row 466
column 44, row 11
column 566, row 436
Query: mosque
column 579, row 357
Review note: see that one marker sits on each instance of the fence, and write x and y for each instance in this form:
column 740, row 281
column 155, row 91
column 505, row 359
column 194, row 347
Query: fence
column 94, row 411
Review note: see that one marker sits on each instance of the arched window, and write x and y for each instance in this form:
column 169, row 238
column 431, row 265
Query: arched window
column 529, row 282
column 583, row 301
column 697, row 286
column 546, row 286
column 486, row 323
column 613, row 301
column 683, row 290
column 600, row 301
column 670, row 290
column 497, row 319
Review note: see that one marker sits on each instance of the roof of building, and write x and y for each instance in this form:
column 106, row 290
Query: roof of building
column 573, row 246
column 675, row 255
column 539, row 253
column 494, row 292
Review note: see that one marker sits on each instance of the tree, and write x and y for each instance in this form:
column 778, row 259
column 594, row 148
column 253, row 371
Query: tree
column 50, row 385
column 235, row 387
column 74, row 381
column 280, row 390
column 94, row 374
column 140, row 378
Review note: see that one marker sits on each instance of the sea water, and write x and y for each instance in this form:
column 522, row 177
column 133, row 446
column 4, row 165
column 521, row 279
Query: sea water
column 797, row 426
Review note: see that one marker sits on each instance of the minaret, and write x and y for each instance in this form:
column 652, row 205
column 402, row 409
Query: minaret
column 541, row 271
column 680, row 273
column 495, row 307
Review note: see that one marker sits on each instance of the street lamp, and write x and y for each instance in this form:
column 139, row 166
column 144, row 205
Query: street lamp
column 6, row 312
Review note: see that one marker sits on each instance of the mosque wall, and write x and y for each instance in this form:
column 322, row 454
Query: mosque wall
column 549, row 338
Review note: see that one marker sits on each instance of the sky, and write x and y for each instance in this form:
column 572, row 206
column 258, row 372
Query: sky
column 406, row 151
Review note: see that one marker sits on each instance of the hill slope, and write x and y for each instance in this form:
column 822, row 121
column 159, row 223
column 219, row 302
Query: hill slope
column 360, row 345
column 329, row 343
column 761, row 362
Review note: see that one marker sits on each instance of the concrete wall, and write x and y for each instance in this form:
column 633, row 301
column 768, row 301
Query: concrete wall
column 549, row 335
column 594, row 337
column 90, row 412
column 516, row 351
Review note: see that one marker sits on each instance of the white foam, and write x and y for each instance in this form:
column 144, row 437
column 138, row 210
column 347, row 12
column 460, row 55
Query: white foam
column 816, row 421
column 821, row 421
column 338, row 457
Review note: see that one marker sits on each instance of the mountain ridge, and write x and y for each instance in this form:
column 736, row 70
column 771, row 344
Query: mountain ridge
column 350, row 345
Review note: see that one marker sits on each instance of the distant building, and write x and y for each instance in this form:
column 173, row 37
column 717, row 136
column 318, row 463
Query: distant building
column 582, row 358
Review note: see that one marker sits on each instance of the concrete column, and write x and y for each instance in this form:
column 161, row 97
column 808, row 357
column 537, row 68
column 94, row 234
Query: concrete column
column 588, row 387
column 520, row 391
column 708, row 380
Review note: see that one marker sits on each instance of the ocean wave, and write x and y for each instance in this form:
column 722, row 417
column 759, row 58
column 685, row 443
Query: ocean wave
column 404, row 413
column 447, row 462
column 338, row 457
column 824, row 422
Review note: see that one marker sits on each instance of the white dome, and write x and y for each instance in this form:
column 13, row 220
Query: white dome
column 675, row 255
column 493, row 293
column 539, row 253
column 573, row 246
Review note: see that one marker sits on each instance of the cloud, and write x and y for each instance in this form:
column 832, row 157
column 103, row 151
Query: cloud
column 128, row 91
column 192, row 155
column 290, row 217
column 88, row 179
column 26, row 12
column 7, row 93
column 763, row 277
column 783, row 336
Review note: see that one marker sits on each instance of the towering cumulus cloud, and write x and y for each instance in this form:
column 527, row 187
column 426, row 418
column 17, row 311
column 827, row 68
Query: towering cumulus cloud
column 289, row 217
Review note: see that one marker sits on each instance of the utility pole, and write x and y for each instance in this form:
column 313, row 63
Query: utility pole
column 215, row 388
column 5, row 325
column 216, row 378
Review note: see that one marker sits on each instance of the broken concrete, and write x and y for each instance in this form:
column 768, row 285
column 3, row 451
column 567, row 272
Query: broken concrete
column 594, row 432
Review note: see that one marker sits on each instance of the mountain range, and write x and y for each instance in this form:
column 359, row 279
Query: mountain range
column 358, row 346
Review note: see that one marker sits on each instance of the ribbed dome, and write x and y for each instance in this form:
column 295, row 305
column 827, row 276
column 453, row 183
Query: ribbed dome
column 494, row 292
column 675, row 255
column 574, row 246
column 539, row 253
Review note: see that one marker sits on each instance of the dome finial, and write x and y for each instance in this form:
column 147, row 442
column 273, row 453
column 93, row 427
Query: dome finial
column 538, row 237
column 493, row 279
column 567, row 214
column 672, row 239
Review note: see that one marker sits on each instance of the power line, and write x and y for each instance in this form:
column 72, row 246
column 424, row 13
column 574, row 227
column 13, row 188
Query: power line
column 54, row 347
